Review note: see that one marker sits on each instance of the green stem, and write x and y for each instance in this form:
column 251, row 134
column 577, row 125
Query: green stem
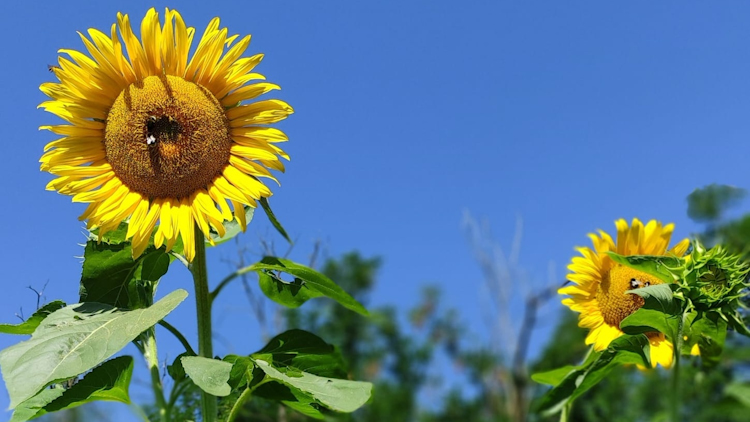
column 152, row 359
column 675, row 399
column 180, row 337
column 565, row 413
column 238, row 404
column 203, row 312
column 229, row 278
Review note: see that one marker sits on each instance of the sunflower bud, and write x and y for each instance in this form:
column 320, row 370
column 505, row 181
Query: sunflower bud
column 715, row 279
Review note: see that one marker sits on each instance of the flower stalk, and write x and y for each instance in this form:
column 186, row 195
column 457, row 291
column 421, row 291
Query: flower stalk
column 203, row 313
column 149, row 353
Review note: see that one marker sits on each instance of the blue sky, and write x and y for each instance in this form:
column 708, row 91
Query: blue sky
column 570, row 114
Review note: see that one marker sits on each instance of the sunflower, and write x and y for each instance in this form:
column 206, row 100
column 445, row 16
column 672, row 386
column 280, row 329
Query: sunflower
column 600, row 283
column 165, row 141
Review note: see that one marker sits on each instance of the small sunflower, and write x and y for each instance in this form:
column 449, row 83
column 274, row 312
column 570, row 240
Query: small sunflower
column 158, row 138
column 600, row 283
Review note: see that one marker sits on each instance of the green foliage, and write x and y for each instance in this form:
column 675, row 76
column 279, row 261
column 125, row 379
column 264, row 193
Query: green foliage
column 335, row 394
column 111, row 276
column 291, row 369
column 109, row 381
column 210, row 375
column 660, row 312
column 305, row 351
column 74, row 340
column 661, row 267
column 307, row 283
column 28, row 326
column 627, row 349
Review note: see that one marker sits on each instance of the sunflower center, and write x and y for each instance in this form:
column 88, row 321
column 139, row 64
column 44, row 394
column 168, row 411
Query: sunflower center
column 614, row 303
column 167, row 137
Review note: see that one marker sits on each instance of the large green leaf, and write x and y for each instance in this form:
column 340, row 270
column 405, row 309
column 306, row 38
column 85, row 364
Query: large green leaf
column 28, row 326
column 110, row 274
column 210, row 375
column 291, row 295
column 74, row 340
column 555, row 376
column 657, row 266
column 241, row 374
column 709, row 331
column 272, row 218
column 305, row 351
column 305, row 277
column 34, row 406
column 335, row 394
column 107, row 382
column 627, row 349
column 290, row 397
column 660, row 312
column 737, row 323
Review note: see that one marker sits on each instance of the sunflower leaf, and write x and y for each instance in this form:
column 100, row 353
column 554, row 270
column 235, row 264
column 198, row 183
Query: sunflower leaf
column 738, row 324
column 305, row 351
column 210, row 375
column 555, row 376
column 73, row 340
column 272, row 218
column 709, row 332
column 109, row 382
column 657, row 266
column 335, row 394
column 110, row 275
column 305, row 278
column 28, row 326
column 291, row 295
column 660, row 312
column 626, row 349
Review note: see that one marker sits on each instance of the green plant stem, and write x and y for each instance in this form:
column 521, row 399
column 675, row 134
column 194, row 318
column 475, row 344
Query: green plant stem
column 238, row 404
column 203, row 312
column 677, row 351
column 565, row 413
column 229, row 278
column 179, row 336
column 152, row 359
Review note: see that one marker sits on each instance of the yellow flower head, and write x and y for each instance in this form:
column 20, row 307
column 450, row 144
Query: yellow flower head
column 600, row 283
column 161, row 138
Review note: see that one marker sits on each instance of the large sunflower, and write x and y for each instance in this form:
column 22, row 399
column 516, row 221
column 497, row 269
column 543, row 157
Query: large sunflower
column 161, row 138
column 600, row 284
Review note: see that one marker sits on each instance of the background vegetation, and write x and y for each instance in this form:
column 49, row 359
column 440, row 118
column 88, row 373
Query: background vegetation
column 427, row 366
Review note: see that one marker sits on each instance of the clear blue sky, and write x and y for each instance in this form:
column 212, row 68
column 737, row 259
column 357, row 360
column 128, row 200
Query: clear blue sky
column 571, row 114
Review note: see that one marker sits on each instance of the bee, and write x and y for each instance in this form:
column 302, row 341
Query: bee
column 150, row 124
column 52, row 68
column 637, row 284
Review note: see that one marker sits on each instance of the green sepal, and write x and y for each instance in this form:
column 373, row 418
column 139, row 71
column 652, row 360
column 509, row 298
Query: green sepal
column 274, row 221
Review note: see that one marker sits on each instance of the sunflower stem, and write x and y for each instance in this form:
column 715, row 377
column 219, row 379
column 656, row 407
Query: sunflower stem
column 148, row 339
column 675, row 399
column 203, row 311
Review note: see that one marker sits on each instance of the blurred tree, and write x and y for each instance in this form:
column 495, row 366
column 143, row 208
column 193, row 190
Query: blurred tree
column 707, row 204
